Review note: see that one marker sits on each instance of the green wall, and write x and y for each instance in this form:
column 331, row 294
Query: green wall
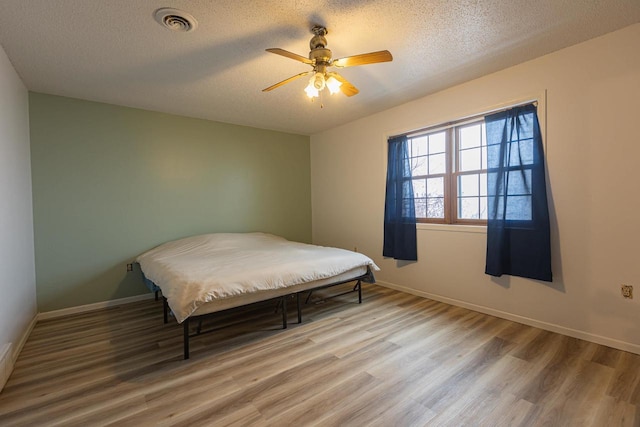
column 110, row 182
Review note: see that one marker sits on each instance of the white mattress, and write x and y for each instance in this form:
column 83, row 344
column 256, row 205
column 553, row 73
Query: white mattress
column 213, row 272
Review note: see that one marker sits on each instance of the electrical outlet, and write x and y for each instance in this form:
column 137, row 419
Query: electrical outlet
column 627, row 291
column 129, row 267
column 355, row 249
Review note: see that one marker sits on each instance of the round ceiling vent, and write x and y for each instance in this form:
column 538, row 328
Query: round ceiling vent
column 175, row 20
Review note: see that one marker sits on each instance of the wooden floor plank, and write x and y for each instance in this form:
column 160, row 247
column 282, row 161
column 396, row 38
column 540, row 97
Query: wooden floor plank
column 394, row 360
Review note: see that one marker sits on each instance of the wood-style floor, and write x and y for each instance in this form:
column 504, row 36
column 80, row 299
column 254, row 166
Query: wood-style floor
column 395, row 360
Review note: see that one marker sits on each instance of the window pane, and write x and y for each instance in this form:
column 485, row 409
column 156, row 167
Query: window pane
column 437, row 163
column 468, row 208
column 493, row 156
column 468, row 185
column 483, row 152
column 521, row 153
column 519, row 208
column 421, row 208
column 435, row 207
column 435, row 187
column 419, row 188
column 519, row 182
column 419, row 166
column 471, row 136
column 483, row 184
column 483, row 208
column 470, row 159
column 437, row 143
column 406, row 207
column 419, row 146
column 495, row 206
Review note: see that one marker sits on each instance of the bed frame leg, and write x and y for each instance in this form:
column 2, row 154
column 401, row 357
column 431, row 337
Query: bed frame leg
column 165, row 309
column 156, row 293
column 186, row 338
column 284, row 312
column 359, row 285
column 299, row 307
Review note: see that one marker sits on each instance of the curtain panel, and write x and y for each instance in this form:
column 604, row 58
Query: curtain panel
column 518, row 232
column 399, row 210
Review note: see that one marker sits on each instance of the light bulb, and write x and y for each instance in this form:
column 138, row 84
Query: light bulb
column 318, row 81
column 311, row 91
column 333, row 84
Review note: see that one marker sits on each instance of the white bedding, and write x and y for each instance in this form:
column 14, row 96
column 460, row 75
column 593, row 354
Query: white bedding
column 199, row 269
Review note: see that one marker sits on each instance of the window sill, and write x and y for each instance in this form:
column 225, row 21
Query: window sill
column 458, row 228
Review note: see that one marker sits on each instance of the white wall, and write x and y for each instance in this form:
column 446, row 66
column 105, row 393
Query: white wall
column 17, row 270
column 593, row 159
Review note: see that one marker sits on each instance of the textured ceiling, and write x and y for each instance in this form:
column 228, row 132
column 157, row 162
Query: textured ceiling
column 114, row 51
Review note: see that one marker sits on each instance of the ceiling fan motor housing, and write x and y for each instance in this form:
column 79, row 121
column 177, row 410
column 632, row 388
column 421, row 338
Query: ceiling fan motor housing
column 320, row 55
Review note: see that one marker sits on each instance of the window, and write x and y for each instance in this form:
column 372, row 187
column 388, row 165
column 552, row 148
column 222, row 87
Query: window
column 449, row 171
column 517, row 174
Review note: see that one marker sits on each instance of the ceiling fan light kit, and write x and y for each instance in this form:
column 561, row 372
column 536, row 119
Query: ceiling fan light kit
column 333, row 85
column 320, row 58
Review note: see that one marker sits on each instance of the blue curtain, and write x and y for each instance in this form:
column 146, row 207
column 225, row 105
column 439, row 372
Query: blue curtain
column 518, row 237
column 399, row 208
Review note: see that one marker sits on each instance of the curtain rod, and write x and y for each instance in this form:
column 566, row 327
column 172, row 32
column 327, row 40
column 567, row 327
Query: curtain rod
column 462, row 120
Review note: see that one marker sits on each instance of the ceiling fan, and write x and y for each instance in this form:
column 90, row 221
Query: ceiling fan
column 320, row 59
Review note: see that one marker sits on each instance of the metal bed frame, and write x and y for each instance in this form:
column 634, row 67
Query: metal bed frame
column 367, row 277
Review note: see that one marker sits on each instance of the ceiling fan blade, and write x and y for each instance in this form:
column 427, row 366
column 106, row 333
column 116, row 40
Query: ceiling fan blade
column 291, row 55
column 363, row 59
column 346, row 87
column 286, row 81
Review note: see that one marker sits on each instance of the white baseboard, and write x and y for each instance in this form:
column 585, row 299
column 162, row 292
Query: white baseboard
column 5, row 362
column 23, row 340
column 9, row 354
column 90, row 307
column 598, row 339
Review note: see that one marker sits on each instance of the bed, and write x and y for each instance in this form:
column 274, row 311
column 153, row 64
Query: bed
column 210, row 273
